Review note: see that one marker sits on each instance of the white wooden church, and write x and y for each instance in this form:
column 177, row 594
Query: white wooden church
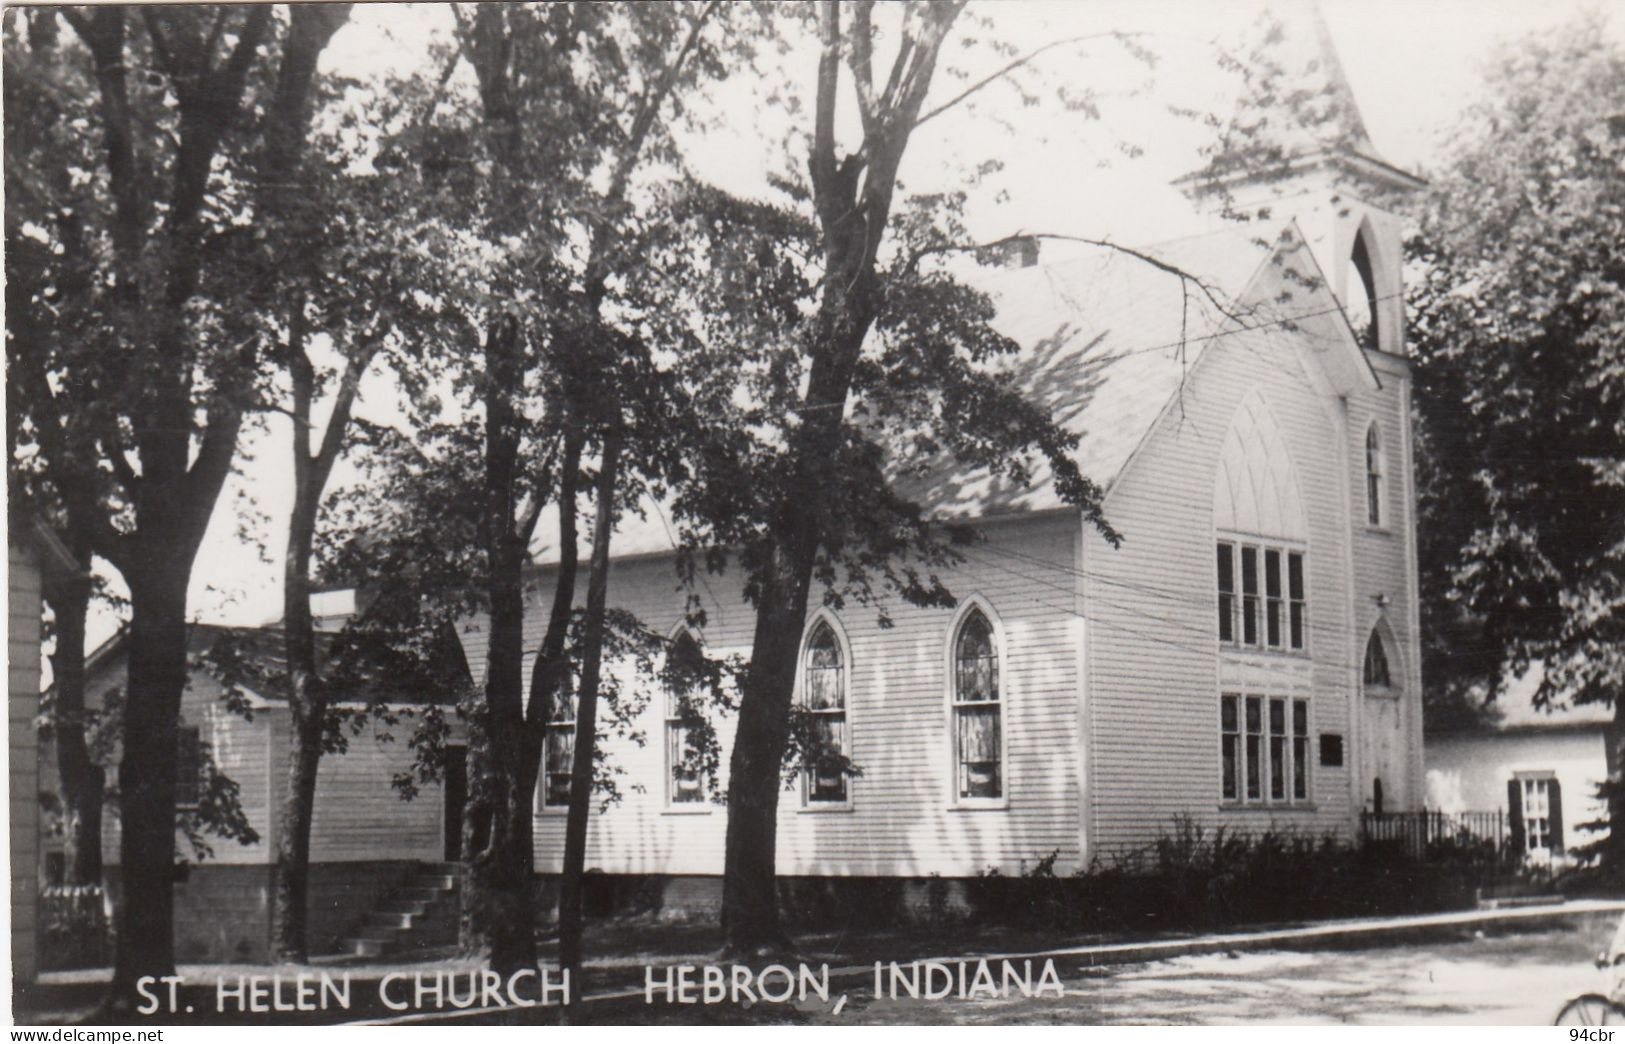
column 1247, row 657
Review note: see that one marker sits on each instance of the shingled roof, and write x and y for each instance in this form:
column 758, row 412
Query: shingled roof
column 1106, row 340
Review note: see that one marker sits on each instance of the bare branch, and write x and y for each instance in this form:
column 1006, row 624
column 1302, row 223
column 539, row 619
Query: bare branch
column 1208, row 290
column 1013, row 66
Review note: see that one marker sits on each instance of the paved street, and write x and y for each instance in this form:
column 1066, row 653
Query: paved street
column 1517, row 979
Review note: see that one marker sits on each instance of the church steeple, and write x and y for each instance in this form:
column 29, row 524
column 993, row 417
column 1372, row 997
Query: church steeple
column 1321, row 169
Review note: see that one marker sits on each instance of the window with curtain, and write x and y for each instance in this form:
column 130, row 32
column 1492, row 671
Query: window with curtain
column 558, row 749
column 977, row 711
column 823, row 696
column 685, row 781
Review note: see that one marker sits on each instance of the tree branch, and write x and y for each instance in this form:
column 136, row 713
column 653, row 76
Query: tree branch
column 861, row 60
column 1013, row 66
column 822, row 163
column 1208, row 290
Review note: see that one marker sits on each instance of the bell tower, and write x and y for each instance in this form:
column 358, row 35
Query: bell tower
column 1323, row 173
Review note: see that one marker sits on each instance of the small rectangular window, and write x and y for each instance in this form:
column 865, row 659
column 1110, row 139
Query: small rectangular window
column 1298, row 610
column 1331, row 749
column 1254, row 748
column 1230, row 746
column 1300, row 750
column 1278, row 748
column 1272, row 597
column 1249, row 595
column 1227, row 593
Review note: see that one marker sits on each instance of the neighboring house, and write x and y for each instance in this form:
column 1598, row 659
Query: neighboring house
column 34, row 557
column 1248, row 657
column 365, row 839
column 1540, row 767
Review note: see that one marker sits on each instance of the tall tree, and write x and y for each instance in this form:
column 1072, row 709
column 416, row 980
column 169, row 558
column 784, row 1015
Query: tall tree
column 1518, row 323
column 537, row 166
column 885, row 373
column 145, row 357
column 341, row 288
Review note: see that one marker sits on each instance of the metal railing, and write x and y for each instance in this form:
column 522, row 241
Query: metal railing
column 1430, row 831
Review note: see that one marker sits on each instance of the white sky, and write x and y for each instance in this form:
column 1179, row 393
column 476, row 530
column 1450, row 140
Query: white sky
column 1411, row 63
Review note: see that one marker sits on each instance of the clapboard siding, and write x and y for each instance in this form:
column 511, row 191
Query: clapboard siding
column 23, row 691
column 358, row 816
column 901, row 820
column 1385, row 557
column 1154, row 666
column 239, row 748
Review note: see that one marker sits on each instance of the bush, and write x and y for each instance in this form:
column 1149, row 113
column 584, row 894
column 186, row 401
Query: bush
column 74, row 927
column 1195, row 877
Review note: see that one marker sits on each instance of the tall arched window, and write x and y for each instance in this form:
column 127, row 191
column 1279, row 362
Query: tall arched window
column 1373, row 475
column 1361, row 295
column 1377, row 674
column 685, row 779
column 823, row 696
column 978, row 710
column 1259, row 520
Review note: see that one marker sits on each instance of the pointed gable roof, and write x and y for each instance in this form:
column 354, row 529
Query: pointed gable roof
column 1107, row 341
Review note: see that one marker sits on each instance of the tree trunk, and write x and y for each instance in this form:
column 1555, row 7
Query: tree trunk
column 586, row 738
column 290, row 910
column 498, row 903
column 157, row 677
column 750, row 918
column 83, row 781
column 750, row 914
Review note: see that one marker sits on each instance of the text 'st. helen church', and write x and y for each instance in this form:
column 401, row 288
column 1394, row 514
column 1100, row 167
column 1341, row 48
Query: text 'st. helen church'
column 1247, row 657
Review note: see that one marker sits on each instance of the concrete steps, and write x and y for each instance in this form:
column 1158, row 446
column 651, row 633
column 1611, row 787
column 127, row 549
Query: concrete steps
column 419, row 914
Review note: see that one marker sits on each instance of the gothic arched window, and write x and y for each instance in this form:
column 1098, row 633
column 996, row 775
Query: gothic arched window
column 1262, row 532
column 823, row 696
column 685, row 779
column 978, row 710
column 1376, row 672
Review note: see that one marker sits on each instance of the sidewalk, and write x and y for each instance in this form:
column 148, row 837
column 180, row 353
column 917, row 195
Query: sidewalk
column 1363, row 931
column 60, row 997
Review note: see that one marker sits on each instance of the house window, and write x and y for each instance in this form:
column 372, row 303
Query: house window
column 1535, row 804
column 685, row 779
column 977, row 709
column 1270, row 609
column 823, row 696
column 558, row 754
column 188, row 766
column 1263, row 749
column 1373, row 475
column 1376, row 672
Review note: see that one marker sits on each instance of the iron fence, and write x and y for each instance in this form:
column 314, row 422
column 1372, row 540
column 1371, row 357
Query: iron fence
column 1432, row 832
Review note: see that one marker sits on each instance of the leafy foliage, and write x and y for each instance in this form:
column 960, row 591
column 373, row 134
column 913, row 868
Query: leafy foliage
column 1519, row 333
